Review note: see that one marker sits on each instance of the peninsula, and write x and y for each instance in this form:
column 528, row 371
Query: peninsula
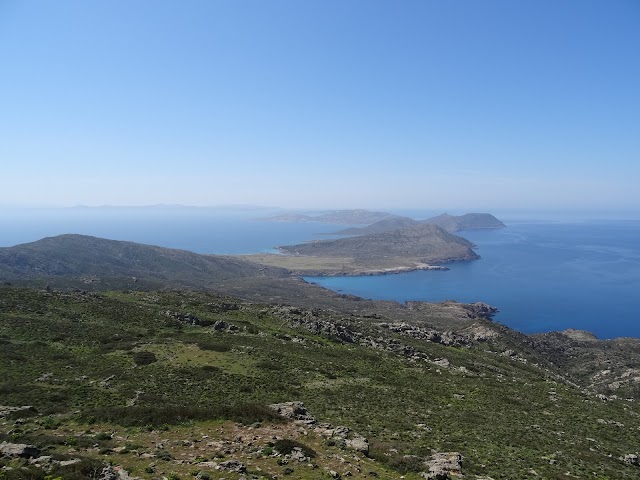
column 418, row 247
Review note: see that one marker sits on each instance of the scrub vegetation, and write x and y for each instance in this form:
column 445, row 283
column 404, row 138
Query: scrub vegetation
column 164, row 383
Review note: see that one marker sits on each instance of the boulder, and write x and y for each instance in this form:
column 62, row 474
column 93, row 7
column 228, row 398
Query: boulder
column 631, row 459
column 232, row 466
column 18, row 450
column 359, row 444
column 441, row 465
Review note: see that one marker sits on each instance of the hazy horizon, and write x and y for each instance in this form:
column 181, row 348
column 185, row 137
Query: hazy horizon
column 456, row 106
column 257, row 212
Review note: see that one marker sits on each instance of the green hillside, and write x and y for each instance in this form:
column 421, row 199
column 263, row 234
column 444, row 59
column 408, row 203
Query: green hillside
column 174, row 384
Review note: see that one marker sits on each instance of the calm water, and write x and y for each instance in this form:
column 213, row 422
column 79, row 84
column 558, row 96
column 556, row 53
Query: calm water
column 189, row 229
column 542, row 276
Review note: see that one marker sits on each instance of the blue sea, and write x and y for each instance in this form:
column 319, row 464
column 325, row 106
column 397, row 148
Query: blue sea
column 541, row 275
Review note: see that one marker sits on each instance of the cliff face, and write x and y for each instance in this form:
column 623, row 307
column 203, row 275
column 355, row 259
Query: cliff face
column 430, row 243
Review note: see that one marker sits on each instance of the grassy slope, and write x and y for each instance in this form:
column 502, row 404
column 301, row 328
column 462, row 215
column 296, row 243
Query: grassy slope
column 505, row 416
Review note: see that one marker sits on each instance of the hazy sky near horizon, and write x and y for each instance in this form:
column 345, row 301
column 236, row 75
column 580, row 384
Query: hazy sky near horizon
column 333, row 103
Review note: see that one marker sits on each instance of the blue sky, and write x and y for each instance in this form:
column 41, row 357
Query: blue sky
column 381, row 104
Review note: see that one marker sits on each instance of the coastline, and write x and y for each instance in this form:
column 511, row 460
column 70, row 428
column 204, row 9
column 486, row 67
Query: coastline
column 303, row 265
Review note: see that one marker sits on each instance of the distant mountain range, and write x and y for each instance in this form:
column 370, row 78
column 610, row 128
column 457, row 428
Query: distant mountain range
column 337, row 217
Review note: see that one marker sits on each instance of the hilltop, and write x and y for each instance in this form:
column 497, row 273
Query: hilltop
column 92, row 259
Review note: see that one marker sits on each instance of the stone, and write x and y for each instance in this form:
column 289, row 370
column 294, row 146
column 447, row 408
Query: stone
column 359, row 444
column 631, row 459
column 233, row 466
column 110, row 472
column 18, row 450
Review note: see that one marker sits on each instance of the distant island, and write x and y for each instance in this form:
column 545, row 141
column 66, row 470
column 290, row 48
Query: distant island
column 451, row 223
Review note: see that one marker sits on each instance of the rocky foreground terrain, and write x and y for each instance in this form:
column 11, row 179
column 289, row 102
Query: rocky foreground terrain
column 176, row 384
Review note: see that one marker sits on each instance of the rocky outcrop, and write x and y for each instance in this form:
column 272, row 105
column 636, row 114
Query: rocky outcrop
column 479, row 310
column 441, row 466
column 447, row 338
column 309, row 320
column 340, row 435
column 293, row 411
column 579, row 335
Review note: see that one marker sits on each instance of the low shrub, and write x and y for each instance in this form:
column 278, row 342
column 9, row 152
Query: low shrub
column 144, row 358
column 286, row 446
